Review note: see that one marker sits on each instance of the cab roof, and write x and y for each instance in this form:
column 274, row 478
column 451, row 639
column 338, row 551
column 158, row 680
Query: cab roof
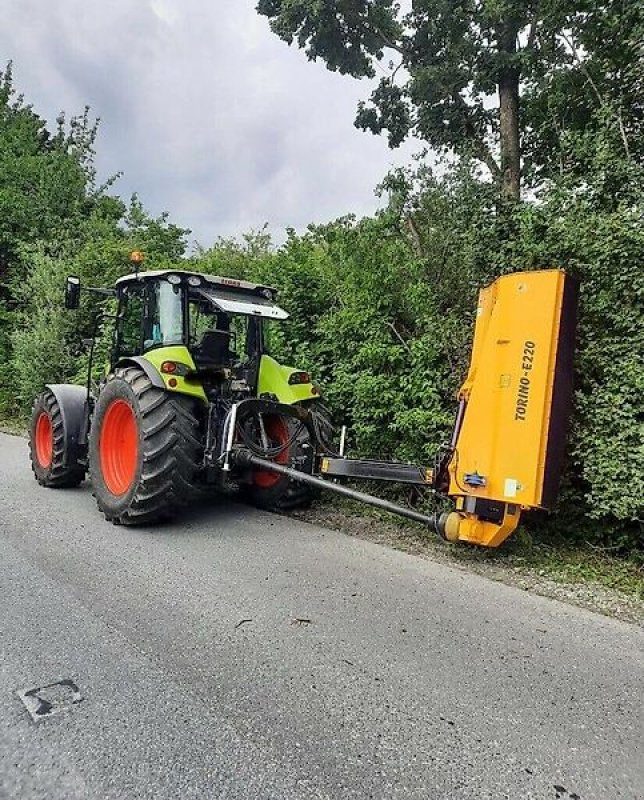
column 233, row 284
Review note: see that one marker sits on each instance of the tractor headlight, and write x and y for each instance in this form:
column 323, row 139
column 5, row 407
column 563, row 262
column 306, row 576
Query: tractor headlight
column 175, row 280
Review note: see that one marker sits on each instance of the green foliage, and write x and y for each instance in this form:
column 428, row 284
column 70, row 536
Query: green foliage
column 605, row 248
column 46, row 179
column 55, row 221
column 600, row 84
column 39, row 354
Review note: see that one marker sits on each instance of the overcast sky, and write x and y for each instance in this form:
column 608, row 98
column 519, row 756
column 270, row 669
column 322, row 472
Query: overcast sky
column 207, row 113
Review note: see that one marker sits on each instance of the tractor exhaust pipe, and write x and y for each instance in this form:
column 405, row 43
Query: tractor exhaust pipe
column 244, row 458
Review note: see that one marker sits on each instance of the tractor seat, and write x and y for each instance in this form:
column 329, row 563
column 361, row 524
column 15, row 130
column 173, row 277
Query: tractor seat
column 214, row 348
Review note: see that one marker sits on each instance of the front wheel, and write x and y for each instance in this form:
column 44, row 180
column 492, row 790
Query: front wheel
column 52, row 445
column 143, row 450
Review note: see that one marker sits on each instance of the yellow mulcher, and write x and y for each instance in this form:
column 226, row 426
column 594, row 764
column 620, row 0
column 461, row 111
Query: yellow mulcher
column 508, row 444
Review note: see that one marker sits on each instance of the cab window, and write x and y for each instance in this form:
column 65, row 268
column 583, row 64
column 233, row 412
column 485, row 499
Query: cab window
column 164, row 317
column 130, row 321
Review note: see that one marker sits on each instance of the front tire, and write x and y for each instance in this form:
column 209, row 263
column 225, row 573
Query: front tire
column 144, row 449
column 51, row 445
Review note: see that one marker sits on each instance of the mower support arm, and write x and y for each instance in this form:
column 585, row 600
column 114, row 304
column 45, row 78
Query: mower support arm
column 244, row 458
column 367, row 469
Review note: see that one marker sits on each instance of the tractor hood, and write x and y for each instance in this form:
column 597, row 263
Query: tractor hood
column 240, row 303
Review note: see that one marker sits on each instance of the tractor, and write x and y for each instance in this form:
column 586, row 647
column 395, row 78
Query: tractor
column 192, row 400
column 186, row 347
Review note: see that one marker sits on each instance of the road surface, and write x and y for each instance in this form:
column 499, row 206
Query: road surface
column 239, row 654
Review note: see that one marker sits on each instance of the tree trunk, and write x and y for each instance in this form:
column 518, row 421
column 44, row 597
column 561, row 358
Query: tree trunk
column 509, row 109
column 509, row 134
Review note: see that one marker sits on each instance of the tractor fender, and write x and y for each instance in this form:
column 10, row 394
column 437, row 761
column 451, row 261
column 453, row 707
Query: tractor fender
column 72, row 401
column 147, row 367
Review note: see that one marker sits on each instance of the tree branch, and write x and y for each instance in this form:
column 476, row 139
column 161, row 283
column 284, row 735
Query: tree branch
column 598, row 95
column 622, row 130
column 583, row 68
column 398, row 336
column 415, row 235
column 388, row 43
column 482, row 151
column 532, row 34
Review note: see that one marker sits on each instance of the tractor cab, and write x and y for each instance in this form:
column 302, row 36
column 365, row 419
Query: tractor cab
column 214, row 326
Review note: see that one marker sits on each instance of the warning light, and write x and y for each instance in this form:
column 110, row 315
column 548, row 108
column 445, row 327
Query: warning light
column 137, row 257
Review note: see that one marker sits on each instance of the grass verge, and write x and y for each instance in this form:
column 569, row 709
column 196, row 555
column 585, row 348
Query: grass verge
column 17, row 427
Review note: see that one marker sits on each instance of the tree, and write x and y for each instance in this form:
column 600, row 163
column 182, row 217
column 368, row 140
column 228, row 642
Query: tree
column 46, row 179
column 46, row 188
column 56, row 220
column 602, row 91
column 449, row 58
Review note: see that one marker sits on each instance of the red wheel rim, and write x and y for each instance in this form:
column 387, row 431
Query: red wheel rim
column 44, row 440
column 118, row 447
column 278, row 435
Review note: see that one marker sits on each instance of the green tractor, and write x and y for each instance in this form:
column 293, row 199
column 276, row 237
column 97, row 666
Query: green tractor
column 190, row 376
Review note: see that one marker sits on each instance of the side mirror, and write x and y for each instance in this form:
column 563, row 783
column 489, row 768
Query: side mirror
column 72, row 292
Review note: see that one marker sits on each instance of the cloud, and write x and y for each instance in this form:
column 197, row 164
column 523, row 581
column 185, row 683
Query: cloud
column 208, row 114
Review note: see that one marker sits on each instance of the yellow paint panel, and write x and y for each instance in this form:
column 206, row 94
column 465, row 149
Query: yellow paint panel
column 273, row 379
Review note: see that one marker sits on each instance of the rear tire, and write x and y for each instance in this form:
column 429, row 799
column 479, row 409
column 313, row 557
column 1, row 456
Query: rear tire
column 268, row 488
column 144, row 449
column 302, row 495
column 50, row 445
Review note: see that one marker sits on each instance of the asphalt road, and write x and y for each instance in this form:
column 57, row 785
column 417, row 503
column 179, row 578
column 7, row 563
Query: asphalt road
column 403, row 678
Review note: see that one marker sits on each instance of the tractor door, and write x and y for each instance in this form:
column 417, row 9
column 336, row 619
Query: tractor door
column 163, row 315
column 129, row 325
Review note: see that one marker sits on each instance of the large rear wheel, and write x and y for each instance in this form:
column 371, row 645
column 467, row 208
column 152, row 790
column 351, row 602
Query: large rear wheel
column 50, row 445
column 268, row 488
column 273, row 491
column 302, row 495
column 143, row 451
